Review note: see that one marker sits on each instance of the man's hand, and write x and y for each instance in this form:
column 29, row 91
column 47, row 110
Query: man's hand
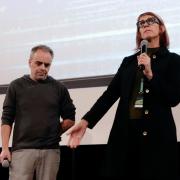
column 5, row 154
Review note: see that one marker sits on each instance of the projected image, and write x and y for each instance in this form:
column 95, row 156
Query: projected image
column 89, row 37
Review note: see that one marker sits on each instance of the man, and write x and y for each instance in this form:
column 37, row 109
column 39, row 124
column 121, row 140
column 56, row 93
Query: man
column 34, row 104
column 142, row 143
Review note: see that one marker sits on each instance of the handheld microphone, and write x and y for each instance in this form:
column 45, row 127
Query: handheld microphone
column 5, row 163
column 143, row 47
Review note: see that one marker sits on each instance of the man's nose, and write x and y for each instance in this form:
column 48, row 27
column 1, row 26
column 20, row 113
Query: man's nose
column 43, row 66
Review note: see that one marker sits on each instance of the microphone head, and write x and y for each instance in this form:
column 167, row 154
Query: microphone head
column 143, row 46
column 5, row 163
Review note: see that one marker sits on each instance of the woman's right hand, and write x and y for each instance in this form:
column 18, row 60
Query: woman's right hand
column 76, row 133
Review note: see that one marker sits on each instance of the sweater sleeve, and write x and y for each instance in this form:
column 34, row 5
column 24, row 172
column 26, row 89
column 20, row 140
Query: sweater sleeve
column 67, row 106
column 9, row 106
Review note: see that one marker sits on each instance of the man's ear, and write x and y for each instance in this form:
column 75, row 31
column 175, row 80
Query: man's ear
column 29, row 62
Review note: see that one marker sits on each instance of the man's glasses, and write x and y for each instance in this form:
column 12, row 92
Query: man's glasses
column 148, row 21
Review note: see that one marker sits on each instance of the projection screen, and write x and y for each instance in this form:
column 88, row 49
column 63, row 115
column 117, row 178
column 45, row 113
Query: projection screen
column 89, row 38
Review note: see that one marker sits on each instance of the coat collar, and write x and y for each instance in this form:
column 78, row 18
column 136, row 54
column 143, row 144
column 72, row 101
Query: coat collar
column 161, row 52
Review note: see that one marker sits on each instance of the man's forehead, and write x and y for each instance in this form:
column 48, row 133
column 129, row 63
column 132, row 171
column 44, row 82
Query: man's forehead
column 42, row 56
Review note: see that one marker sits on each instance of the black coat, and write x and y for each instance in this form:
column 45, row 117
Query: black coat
column 159, row 148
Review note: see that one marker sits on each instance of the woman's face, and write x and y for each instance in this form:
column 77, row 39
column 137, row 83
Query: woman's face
column 149, row 27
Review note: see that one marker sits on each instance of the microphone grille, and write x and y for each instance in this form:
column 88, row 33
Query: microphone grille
column 144, row 45
column 5, row 163
column 144, row 42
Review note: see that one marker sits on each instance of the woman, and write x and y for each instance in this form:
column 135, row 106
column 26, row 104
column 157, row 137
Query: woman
column 142, row 142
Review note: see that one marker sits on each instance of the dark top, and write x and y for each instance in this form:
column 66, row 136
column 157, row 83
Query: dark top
column 36, row 108
column 136, row 103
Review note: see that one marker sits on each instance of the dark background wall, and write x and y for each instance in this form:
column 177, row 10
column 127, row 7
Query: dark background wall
column 82, row 163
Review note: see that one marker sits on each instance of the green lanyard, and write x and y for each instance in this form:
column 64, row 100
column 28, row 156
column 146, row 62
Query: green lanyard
column 141, row 86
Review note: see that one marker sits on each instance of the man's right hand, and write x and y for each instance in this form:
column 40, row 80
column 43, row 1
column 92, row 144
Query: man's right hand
column 5, row 154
